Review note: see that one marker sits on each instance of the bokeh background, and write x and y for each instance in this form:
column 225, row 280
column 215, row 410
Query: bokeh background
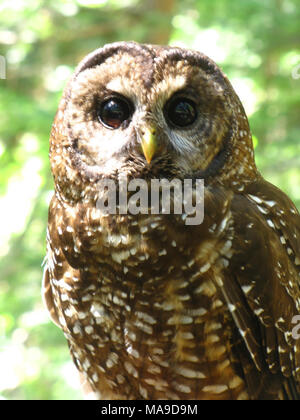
column 256, row 42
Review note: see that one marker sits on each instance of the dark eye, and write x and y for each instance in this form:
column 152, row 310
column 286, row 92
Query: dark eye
column 181, row 112
column 113, row 112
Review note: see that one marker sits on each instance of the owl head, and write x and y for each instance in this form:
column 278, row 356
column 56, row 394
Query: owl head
column 149, row 111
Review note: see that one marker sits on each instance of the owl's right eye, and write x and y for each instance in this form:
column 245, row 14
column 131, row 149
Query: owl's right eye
column 113, row 112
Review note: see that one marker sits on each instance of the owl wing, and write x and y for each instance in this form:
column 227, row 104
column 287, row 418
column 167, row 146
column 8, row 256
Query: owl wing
column 262, row 285
column 47, row 297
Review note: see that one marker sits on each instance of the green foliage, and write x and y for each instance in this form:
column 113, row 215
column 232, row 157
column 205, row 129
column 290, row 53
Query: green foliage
column 255, row 42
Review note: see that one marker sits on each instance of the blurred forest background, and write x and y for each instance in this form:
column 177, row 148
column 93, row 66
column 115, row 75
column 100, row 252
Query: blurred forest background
column 256, row 42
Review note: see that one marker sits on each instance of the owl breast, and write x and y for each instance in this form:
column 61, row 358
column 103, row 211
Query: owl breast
column 147, row 306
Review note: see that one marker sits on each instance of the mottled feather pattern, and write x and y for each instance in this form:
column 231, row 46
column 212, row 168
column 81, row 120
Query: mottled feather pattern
column 151, row 307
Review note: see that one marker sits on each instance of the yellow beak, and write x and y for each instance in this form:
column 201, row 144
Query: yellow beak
column 148, row 141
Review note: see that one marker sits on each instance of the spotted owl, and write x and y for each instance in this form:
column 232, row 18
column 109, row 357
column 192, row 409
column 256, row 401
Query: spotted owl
column 153, row 307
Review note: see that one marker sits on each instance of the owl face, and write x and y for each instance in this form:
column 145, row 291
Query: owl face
column 152, row 111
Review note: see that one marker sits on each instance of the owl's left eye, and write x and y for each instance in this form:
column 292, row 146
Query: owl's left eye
column 181, row 112
column 113, row 112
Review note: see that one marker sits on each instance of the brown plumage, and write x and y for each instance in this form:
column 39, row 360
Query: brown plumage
column 152, row 307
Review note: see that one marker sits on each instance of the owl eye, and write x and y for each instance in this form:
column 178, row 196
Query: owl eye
column 113, row 112
column 181, row 112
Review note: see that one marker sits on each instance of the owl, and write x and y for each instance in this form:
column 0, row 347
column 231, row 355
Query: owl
column 153, row 307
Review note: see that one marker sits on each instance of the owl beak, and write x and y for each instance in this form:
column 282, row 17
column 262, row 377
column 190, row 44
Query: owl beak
column 148, row 141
